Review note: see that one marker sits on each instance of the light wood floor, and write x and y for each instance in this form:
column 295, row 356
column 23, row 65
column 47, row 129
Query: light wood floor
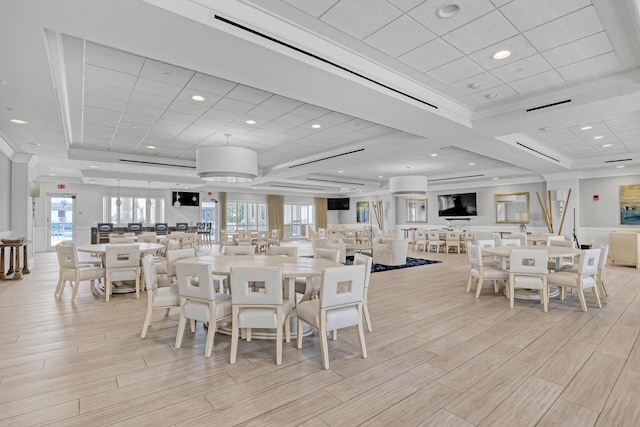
column 437, row 357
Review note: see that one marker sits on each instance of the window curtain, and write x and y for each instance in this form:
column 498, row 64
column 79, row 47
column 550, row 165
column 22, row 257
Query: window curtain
column 321, row 212
column 222, row 205
column 275, row 212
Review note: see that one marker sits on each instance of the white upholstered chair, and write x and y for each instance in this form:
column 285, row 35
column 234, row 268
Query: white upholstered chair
column 435, row 241
column 199, row 301
column 265, row 309
column 584, row 277
column 421, row 239
column 290, row 251
column 336, row 308
column 528, row 270
column 520, row 236
column 481, row 272
column 367, row 261
column 122, row 262
column 390, row 252
column 174, row 255
column 240, row 250
column 122, row 239
column 452, row 241
column 189, row 240
column 331, row 243
column 561, row 263
column 72, row 270
column 157, row 298
column 310, row 287
column 226, row 240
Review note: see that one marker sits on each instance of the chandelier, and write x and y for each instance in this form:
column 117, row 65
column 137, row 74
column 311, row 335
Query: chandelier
column 227, row 164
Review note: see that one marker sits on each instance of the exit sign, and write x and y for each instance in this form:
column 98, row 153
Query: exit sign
column 60, row 186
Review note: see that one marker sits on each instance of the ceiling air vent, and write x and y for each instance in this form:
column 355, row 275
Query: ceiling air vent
column 455, row 177
column 319, row 58
column 528, row 110
column 619, row 160
column 536, row 151
column 326, row 158
column 335, row 182
column 140, row 162
column 298, row 187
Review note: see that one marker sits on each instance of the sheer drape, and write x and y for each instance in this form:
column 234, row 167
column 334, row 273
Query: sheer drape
column 321, row 212
column 275, row 212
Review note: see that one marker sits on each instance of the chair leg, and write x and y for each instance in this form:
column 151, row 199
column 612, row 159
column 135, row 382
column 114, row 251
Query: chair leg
column 469, row 283
column 583, row 303
column 544, row 296
column 480, row 280
column 596, row 295
column 334, row 335
column 287, row 329
column 234, row 335
column 367, row 318
column 75, row 291
column 193, row 326
column 211, row 332
column 324, row 346
column 147, row 323
column 58, row 292
column 511, row 293
column 363, row 346
column 181, row 325
column 107, row 287
column 299, row 334
column 279, row 338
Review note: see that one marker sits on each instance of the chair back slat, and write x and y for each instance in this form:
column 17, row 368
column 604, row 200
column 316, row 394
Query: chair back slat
column 524, row 261
column 243, row 280
column 195, row 280
column 367, row 261
column 335, row 279
column 117, row 256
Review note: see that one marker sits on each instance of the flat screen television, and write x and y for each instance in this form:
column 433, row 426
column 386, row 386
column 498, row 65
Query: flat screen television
column 338, row 204
column 457, row 205
column 185, row 198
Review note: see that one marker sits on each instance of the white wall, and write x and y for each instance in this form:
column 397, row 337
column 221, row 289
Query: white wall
column 5, row 194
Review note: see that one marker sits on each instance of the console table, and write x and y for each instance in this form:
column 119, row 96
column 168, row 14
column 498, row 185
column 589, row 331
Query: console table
column 16, row 269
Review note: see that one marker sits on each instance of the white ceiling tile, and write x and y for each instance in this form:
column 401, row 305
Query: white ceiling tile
column 210, row 84
column 310, row 111
column 158, row 88
column 170, row 74
column 594, row 45
column 334, row 118
column 486, row 80
column 315, row 7
column 431, row 55
column 566, row 29
column 91, row 112
column 503, row 92
column 139, row 120
column 149, row 100
column 400, row 36
column 262, row 114
column 456, row 70
column 223, row 116
column 518, row 46
column 406, row 5
column 186, row 94
column 526, row 14
column 540, row 81
column 113, row 59
column 104, row 104
column 484, row 31
column 499, row 3
column 109, row 77
column 233, row 106
column 600, row 65
column 141, row 110
column 193, row 108
column 470, row 10
column 104, row 91
column 359, row 18
column 179, row 118
column 535, row 64
column 281, row 103
column 248, row 94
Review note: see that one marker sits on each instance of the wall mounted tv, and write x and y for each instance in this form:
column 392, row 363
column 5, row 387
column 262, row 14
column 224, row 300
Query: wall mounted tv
column 338, row 204
column 457, row 205
column 185, row 198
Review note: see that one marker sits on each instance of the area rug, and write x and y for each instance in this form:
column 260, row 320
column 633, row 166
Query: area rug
column 411, row 262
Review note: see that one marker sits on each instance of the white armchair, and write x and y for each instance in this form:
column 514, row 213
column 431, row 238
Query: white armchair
column 390, row 251
column 329, row 243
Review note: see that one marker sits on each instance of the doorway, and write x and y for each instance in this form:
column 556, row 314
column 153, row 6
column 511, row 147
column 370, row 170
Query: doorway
column 61, row 219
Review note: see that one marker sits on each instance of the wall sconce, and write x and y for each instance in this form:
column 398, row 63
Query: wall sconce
column 559, row 196
column 34, row 192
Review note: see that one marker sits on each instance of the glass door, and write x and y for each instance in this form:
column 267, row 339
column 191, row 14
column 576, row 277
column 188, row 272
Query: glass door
column 60, row 220
column 208, row 214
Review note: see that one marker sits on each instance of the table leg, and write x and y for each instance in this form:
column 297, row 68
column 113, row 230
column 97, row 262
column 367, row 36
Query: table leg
column 10, row 271
column 25, row 269
column 2, row 275
column 18, row 270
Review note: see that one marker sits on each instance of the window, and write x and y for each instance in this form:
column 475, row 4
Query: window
column 296, row 218
column 246, row 216
column 132, row 209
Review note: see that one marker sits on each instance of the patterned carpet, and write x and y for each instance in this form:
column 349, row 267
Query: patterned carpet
column 411, row 262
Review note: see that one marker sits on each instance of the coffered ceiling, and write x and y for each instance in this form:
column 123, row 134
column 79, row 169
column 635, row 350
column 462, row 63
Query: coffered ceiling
column 396, row 86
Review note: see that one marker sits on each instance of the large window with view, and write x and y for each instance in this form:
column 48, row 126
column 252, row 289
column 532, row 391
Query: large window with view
column 296, row 219
column 124, row 210
column 246, row 216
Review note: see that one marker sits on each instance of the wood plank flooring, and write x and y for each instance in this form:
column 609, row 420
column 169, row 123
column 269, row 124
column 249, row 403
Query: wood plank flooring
column 437, row 356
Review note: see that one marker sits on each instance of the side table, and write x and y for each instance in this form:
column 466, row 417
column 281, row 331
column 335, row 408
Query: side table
column 16, row 269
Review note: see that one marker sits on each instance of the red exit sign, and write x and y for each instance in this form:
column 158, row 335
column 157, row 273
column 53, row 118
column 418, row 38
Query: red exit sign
column 61, row 186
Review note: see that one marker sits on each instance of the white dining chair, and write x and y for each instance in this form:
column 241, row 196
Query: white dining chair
column 157, row 298
column 367, row 261
column 528, row 270
column 480, row 271
column 74, row 271
column 583, row 278
column 122, row 263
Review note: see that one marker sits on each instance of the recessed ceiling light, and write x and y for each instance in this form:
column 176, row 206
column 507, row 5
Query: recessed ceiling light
column 92, row 182
column 152, row 147
column 619, row 166
column 491, row 95
column 607, row 145
column 586, row 127
column 543, row 129
column 502, row 54
column 471, row 164
column 447, row 11
column 379, row 176
column 434, row 155
column 250, row 122
column 52, row 174
column 33, row 144
column 474, row 85
column 340, row 171
column 93, row 166
column 3, row 82
column 197, row 98
column 494, row 178
column 598, row 137
column 189, row 174
column 316, row 126
column 19, row 122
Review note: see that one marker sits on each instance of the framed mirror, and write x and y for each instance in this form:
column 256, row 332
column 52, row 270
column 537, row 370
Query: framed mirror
column 417, row 210
column 512, row 208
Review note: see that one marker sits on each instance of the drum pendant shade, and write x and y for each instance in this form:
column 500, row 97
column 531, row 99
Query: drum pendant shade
column 227, row 164
column 408, row 184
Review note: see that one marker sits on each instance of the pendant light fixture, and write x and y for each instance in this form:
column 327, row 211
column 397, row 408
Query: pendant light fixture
column 118, row 201
column 408, row 184
column 148, row 194
column 227, row 164
column 177, row 203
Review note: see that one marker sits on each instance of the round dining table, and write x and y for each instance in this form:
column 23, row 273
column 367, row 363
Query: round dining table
column 101, row 248
column 291, row 269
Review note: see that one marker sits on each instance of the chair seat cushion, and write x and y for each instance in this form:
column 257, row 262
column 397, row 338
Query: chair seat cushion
column 309, row 311
column 528, row 282
column 490, row 273
column 570, row 280
column 199, row 310
column 166, row 297
column 85, row 273
column 258, row 317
